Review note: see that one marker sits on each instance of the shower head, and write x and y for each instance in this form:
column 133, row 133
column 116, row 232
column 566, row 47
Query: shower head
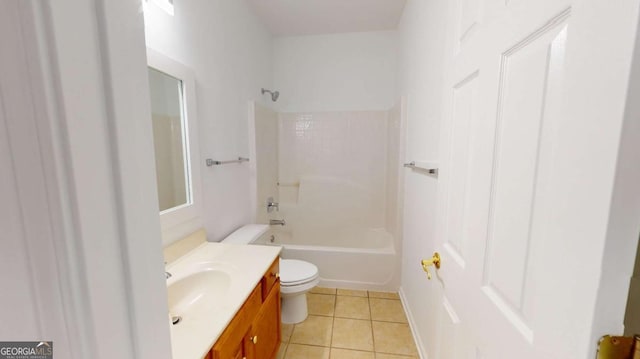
column 274, row 94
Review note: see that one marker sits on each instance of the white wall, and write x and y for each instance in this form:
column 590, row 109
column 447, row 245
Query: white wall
column 230, row 53
column 420, row 78
column 341, row 72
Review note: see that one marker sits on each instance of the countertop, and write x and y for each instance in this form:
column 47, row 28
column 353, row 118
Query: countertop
column 246, row 264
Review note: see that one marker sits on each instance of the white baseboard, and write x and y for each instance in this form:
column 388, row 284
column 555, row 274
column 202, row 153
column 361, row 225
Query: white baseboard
column 422, row 352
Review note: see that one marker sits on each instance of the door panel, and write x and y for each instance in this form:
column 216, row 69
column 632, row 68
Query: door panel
column 515, row 186
column 451, row 345
column 503, row 99
column 464, row 115
column 468, row 14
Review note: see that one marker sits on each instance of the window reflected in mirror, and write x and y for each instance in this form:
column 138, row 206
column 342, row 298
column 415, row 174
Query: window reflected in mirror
column 170, row 140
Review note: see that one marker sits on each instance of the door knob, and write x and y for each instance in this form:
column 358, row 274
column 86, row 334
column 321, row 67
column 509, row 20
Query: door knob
column 614, row 347
column 254, row 339
column 433, row 261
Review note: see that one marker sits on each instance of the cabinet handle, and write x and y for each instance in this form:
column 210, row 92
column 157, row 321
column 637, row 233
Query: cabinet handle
column 254, row 339
column 277, row 275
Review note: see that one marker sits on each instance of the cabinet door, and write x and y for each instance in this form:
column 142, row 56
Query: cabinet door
column 231, row 342
column 265, row 331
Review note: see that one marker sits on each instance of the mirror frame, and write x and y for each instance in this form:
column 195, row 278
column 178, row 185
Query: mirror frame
column 180, row 220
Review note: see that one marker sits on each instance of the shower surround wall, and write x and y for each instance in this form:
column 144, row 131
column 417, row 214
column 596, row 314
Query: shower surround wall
column 333, row 175
column 335, row 178
column 263, row 149
column 395, row 171
column 332, row 170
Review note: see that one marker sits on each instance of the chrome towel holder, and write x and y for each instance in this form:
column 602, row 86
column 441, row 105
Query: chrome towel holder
column 211, row 162
column 428, row 167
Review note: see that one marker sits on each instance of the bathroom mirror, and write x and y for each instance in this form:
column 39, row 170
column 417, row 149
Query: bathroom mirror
column 175, row 141
column 169, row 140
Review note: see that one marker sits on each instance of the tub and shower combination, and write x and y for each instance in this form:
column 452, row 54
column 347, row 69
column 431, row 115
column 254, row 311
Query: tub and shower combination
column 349, row 262
column 335, row 177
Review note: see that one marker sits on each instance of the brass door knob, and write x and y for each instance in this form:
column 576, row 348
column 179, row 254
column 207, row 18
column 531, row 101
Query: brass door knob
column 433, row 261
column 254, row 339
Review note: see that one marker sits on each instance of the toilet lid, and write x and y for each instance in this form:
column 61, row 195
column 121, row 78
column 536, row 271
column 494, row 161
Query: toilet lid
column 293, row 271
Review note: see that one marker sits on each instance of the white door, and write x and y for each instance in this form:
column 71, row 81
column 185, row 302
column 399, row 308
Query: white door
column 510, row 184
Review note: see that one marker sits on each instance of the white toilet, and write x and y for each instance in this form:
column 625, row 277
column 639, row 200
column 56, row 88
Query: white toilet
column 296, row 277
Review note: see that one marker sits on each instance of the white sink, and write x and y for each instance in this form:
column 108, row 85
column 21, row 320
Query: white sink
column 199, row 291
column 207, row 287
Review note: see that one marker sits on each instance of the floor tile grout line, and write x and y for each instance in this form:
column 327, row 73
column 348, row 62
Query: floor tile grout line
column 388, row 321
column 373, row 337
column 354, row 350
column 333, row 322
column 311, row 345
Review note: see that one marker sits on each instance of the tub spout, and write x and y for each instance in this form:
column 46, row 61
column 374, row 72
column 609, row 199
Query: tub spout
column 277, row 222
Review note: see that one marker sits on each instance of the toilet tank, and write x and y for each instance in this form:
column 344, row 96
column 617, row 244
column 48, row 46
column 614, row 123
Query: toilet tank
column 247, row 234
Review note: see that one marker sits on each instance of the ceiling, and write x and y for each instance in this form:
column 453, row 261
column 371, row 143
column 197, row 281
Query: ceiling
column 313, row 17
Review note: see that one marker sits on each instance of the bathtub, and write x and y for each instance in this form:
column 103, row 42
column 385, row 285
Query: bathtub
column 354, row 259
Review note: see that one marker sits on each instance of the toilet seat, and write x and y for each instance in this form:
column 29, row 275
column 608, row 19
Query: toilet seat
column 294, row 272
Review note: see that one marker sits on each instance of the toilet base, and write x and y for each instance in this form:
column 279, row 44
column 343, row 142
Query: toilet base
column 294, row 308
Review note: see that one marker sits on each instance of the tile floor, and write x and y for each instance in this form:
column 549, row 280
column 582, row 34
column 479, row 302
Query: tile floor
column 349, row 324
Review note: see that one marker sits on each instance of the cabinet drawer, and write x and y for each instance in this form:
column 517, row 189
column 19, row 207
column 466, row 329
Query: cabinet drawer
column 231, row 339
column 270, row 278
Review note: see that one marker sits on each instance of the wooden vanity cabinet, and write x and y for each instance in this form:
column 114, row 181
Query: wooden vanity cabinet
column 254, row 332
column 270, row 278
column 266, row 327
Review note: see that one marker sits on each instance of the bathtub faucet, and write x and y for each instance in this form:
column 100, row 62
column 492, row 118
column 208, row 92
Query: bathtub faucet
column 277, row 222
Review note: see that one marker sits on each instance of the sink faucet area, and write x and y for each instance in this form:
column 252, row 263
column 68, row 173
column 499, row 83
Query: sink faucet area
column 205, row 289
